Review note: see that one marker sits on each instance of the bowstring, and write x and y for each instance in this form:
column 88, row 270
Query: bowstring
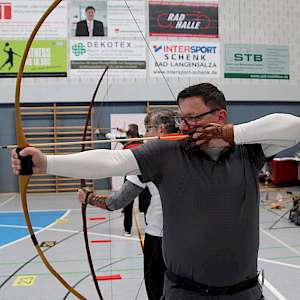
column 109, row 212
column 101, row 104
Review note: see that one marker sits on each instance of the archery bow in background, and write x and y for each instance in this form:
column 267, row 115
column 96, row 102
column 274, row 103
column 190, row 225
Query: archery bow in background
column 83, row 185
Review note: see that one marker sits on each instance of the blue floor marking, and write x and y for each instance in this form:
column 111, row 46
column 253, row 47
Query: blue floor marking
column 38, row 219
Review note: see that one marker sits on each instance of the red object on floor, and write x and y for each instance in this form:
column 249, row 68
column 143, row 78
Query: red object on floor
column 109, row 277
column 100, row 241
column 285, row 171
column 96, row 219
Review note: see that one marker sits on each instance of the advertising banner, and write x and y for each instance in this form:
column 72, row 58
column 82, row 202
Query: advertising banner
column 107, row 18
column 185, row 59
column 18, row 18
column 183, row 19
column 256, row 61
column 125, row 58
column 120, row 21
column 48, row 55
column 47, row 58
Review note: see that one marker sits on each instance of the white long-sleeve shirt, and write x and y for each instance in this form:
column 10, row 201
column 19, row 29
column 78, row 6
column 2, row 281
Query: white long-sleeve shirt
column 274, row 132
column 154, row 216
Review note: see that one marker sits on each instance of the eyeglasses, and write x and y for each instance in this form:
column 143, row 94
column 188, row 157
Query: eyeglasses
column 192, row 120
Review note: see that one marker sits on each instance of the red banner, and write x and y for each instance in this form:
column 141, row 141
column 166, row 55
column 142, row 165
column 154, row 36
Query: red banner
column 5, row 11
column 188, row 19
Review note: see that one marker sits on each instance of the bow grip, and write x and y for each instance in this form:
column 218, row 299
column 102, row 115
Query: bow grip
column 26, row 163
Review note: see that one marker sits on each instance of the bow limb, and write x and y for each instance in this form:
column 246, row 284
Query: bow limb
column 22, row 142
column 83, row 185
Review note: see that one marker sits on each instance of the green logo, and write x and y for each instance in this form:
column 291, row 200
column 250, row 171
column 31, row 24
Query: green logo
column 248, row 57
column 78, row 49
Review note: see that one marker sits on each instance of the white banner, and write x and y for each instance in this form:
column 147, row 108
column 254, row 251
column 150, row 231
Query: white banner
column 125, row 58
column 18, row 18
column 120, row 21
column 113, row 18
column 185, row 59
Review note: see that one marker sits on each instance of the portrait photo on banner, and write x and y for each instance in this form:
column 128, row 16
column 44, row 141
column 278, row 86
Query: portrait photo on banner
column 88, row 18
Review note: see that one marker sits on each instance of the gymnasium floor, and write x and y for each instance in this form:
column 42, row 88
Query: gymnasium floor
column 57, row 217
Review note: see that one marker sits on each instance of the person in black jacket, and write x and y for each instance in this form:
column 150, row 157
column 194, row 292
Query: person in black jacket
column 89, row 27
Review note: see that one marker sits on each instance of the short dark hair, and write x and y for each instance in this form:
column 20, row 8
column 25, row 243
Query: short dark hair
column 133, row 131
column 133, row 126
column 210, row 94
column 164, row 117
column 90, row 7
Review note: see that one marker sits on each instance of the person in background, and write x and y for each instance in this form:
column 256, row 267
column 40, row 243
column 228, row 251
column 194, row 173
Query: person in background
column 132, row 129
column 157, row 124
column 132, row 132
column 89, row 27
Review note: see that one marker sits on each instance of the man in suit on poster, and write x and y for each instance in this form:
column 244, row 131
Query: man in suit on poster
column 89, row 27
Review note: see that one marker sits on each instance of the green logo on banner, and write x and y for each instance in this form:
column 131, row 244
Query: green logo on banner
column 248, row 57
column 78, row 49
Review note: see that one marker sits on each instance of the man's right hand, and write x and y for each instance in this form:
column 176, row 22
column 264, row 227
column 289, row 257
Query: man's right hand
column 39, row 160
column 214, row 131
